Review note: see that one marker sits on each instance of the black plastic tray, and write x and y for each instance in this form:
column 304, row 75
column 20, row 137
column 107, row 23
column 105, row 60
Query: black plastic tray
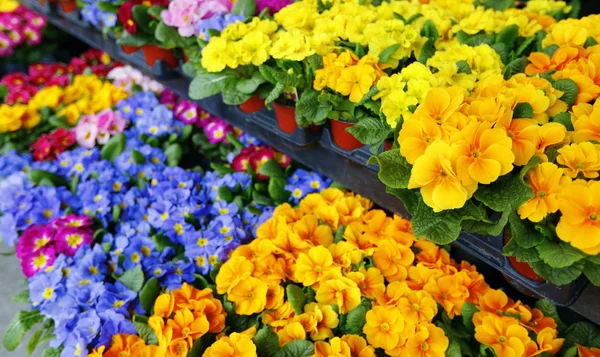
column 45, row 8
column 348, row 168
column 75, row 17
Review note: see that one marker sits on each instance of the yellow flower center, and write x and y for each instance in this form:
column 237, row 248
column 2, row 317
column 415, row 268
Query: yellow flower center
column 117, row 186
column 385, row 326
column 74, row 240
column 118, row 303
column 39, row 243
column 164, row 216
column 318, row 269
column 158, row 271
column 47, row 213
column 135, row 257
column 579, row 166
column 444, row 297
column 541, row 194
column 178, row 271
column 593, row 216
column 250, row 295
column 424, row 346
column 123, row 353
column 48, row 293
column 145, row 251
column 40, row 261
column 475, row 154
column 224, row 230
column 78, row 350
column 178, row 229
column 223, row 211
column 185, row 331
column 93, row 270
column 501, row 339
column 415, row 307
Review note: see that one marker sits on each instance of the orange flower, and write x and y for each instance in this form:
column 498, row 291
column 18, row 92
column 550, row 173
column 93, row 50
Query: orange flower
column 440, row 104
column 232, row 272
column 393, row 293
column 586, row 122
column 503, row 334
column 290, row 332
column 345, row 254
column 417, row 306
column 358, row 346
column 326, row 317
column 311, row 268
column 579, row 158
column 355, row 235
column 548, row 342
column 431, row 254
column 393, row 259
column 341, row 291
column 130, row 346
column 370, row 282
column 308, row 321
column 279, row 317
column 336, row 347
column 187, row 327
column 275, row 297
column 547, row 182
column 249, row 296
column 428, row 341
column 539, row 322
column 164, row 305
column 270, row 269
column 234, row 345
column 416, row 135
column 255, row 250
column 449, row 291
column 384, row 327
column 549, row 134
column 580, row 220
column 308, row 228
column 588, row 352
column 419, row 275
column 400, row 230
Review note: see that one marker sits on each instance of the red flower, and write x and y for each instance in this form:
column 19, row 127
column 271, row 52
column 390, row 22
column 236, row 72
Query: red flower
column 48, row 146
column 125, row 16
column 15, row 79
column 62, row 138
column 59, row 80
column 76, row 66
column 18, row 95
column 41, row 148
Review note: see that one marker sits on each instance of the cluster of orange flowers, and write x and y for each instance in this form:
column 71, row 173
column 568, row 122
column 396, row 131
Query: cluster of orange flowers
column 505, row 325
column 297, row 245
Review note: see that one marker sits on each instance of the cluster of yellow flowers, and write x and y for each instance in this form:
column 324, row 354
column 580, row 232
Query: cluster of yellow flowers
column 348, row 75
column 87, row 94
column 573, row 31
column 253, row 43
column 457, row 140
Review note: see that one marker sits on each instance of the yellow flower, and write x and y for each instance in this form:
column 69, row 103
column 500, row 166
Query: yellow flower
column 523, row 134
column 355, row 81
column 326, row 317
column 564, row 33
column 232, row 272
column 583, row 158
column 387, row 85
column 311, row 268
column 435, row 174
column 579, row 224
column 292, row 45
column 71, row 113
column 393, row 259
column 450, row 291
column 8, row 5
column 234, row 345
column 254, row 48
column 384, row 327
column 547, row 182
column 548, row 342
column 290, row 332
column 249, row 296
column 341, row 291
column 215, row 56
column 428, row 341
column 586, row 122
column 358, row 346
column 336, row 347
column 441, row 103
column 417, row 306
column 482, row 154
column 370, row 282
column 47, row 97
column 397, row 104
column 503, row 334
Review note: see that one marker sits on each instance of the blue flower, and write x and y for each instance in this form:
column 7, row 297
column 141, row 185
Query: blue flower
column 221, row 208
column 138, row 250
column 45, row 288
column 112, row 324
column 177, row 273
column 93, row 265
column 87, row 326
column 217, row 22
column 87, row 295
column 116, row 297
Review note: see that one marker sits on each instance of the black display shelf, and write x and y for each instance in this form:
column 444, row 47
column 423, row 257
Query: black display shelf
column 347, row 168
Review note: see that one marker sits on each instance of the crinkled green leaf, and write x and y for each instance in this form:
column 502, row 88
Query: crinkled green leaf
column 146, row 333
column 206, row 85
column 523, row 111
column 114, row 147
column 149, row 293
column 564, row 119
column 296, row 348
column 558, row 276
column 445, row 226
column 244, row 7
column 22, row 322
column 527, row 255
column 559, row 254
column 592, row 272
column 296, row 297
column 355, row 320
column 467, row 312
column 524, row 233
column 569, row 88
column 370, row 131
column 394, row 170
column 133, row 278
column 385, row 55
column 583, row 333
column 266, row 341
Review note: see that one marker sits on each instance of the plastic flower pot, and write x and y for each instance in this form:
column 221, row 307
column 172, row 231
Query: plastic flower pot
column 341, row 137
column 286, row 118
column 129, row 49
column 387, row 144
column 521, row 267
column 68, row 6
column 153, row 53
column 252, row 105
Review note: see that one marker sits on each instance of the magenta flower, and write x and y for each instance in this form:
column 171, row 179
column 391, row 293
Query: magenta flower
column 15, row 38
column 5, row 45
column 217, row 131
column 60, row 80
column 110, row 121
column 186, row 112
column 168, row 98
column 273, row 5
column 70, row 239
column 41, row 260
column 33, row 35
column 35, row 20
column 73, row 220
column 18, row 96
column 34, row 239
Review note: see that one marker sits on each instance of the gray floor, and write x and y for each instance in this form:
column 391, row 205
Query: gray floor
column 12, row 282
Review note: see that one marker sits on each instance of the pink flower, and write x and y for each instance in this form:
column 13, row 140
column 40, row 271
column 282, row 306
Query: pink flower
column 86, row 134
column 15, row 38
column 184, row 14
column 33, row 35
column 18, row 96
column 70, row 239
column 73, row 220
column 41, row 260
column 210, row 8
column 59, row 80
column 35, row 20
column 168, row 98
column 273, row 5
column 217, row 131
column 186, row 112
column 14, row 79
column 5, row 45
column 33, row 239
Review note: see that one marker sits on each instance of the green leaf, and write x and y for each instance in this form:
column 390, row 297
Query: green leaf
column 20, row 324
column 146, row 333
column 174, row 153
column 370, row 131
column 133, row 278
column 412, row 19
column 154, row 11
column 114, row 147
column 168, row 36
column 275, row 93
column 502, row 51
column 559, row 255
column 356, row 319
column 141, row 17
column 570, row 89
column 524, row 233
column 410, row 198
column 583, row 333
column 296, row 297
column 197, row 349
column 527, row 255
column 225, row 194
column 108, row 6
column 467, row 312
column 385, row 55
column 149, row 293
column 549, row 309
column 205, row 85
column 137, row 40
column 499, row 5
column 272, row 169
column 277, row 190
column 296, row 348
column 453, row 349
column 244, row 7
column 484, row 227
column 266, row 341
column 34, row 341
column 558, row 276
column 250, row 85
column 310, row 111
column 516, row 66
column 592, row 272
column 394, row 170
column 52, row 352
column 429, row 30
column 523, row 111
column 231, row 95
column 116, row 212
column 339, row 234
column 442, row 227
column 463, row 67
column 508, row 36
column 427, row 51
column 524, row 45
column 23, row 296
column 565, row 120
column 45, row 178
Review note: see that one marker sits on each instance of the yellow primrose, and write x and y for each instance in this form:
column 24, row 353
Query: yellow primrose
column 547, row 182
column 355, row 81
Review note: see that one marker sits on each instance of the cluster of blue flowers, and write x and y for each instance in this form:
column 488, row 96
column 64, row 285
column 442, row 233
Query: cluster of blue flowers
column 99, row 19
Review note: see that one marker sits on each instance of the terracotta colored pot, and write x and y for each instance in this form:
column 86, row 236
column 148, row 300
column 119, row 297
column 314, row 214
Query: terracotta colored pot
column 68, row 6
column 129, row 49
column 521, row 267
column 286, row 118
column 252, row 105
column 314, row 128
column 185, row 58
column 153, row 53
column 387, row 144
column 341, row 137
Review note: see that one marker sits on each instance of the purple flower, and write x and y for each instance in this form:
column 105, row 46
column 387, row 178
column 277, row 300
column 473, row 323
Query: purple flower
column 273, row 5
column 217, row 22
column 70, row 239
